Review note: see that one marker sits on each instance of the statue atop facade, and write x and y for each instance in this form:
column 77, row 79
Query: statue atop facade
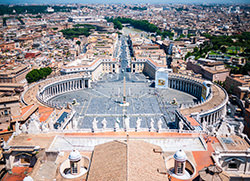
column 117, row 122
column 94, row 124
column 17, row 127
column 180, row 125
column 126, row 122
column 152, row 124
column 241, row 128
column 138, row 123
column 24, row 128
column 104, row 123
column 159, row 124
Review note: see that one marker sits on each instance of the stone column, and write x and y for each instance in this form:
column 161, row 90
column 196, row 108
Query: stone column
column 48, row 92
column 89, row 85
column 213, row 119
column 83, row 83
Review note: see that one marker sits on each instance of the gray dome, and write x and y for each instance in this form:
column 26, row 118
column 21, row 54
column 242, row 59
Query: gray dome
column 28, row 178
column 180, row 155
column 75, row 156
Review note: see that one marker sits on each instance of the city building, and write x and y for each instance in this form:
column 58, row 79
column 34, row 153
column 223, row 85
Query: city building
column 9, row 106
column 209, row 69
column 238, row 85
column 14, row 73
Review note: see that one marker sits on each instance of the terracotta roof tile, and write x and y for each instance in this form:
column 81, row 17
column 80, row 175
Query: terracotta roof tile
column 44, row 112
column 18, row 173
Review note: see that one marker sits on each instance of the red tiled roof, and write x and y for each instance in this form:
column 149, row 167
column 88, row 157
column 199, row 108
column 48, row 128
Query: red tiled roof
column 25, row 113
column 203, row 158
column 18, row 174
column 44, row 113
column 192, row 121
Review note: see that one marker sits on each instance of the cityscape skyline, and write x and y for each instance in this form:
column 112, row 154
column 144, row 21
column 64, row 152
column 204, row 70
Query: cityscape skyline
column 124, row 91
column 124, row 2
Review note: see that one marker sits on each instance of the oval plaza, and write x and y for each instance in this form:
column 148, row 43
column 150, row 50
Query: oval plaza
column 176, row 102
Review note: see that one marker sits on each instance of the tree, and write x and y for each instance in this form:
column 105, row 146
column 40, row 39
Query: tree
column 37, row 74
column 117, row 24
column 78, row 43
column 187, row 55
column 223, row 49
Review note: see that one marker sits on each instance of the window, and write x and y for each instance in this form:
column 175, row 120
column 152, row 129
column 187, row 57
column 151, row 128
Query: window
column 74, row 167
column 233, row 165
column 180, row 166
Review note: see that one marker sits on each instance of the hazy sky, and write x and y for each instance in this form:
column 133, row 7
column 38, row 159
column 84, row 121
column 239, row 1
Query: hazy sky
column 123, row 1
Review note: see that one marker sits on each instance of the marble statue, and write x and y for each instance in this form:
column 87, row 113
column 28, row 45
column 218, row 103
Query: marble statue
column 34, row 127
column 94, row 124
column 51, row 125
column 180, row 125
column 117, row 124
column 17, row 127
column 44, row 128
column 152, row 124
column 104, row 123
column 241, row 128
column 24, row 128
column 231, row 129
column 138, row 123
column 126, row 122
column 159, row 124
column 204, row 125
column 5, row 146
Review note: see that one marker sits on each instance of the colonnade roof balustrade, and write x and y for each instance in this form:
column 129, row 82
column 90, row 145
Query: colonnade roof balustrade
column 29, row 95
column 219, row 97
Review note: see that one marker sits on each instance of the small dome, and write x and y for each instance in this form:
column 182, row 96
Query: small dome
column 28, row 178
column 75, row 156
column 180, row 155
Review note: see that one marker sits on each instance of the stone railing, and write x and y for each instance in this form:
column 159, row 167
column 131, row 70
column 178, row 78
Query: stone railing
column 51, row 80
column 199, row 82
column 101, row 130
column 61, row 81
column 219, row 107
column 184, row 81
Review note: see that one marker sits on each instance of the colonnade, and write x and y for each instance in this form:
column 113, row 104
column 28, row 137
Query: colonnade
column 194, row 87
column 63, row 86
column 189, row 86
column 213, row 116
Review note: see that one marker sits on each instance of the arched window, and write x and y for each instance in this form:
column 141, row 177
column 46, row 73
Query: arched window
column 180, row 166
column 74, row 167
